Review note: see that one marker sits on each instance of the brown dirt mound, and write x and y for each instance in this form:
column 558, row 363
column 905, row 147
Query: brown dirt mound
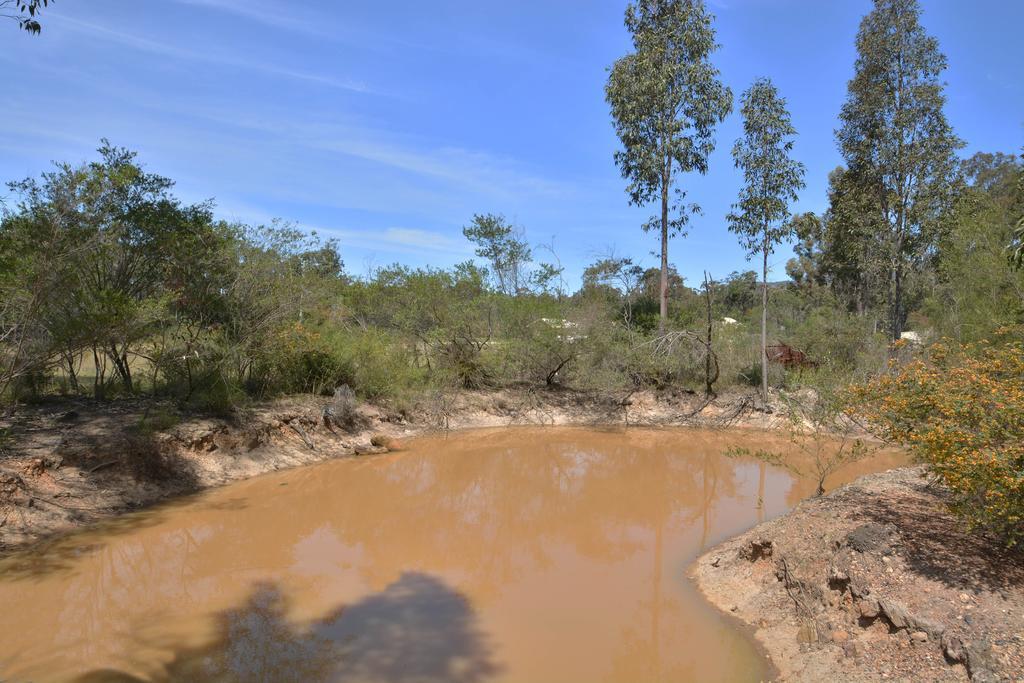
column 875, row 581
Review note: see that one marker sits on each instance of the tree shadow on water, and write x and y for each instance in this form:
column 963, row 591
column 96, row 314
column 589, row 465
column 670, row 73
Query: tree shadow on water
column 417, row 630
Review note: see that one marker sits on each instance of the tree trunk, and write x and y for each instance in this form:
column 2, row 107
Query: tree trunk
column 708, row 379
column 663, row 317
column 764, row 325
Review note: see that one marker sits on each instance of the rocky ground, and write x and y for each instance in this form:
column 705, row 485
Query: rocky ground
column 70, row 462
column 874, row 581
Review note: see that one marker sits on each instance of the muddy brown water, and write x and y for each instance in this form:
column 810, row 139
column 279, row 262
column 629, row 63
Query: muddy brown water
column 523, row 554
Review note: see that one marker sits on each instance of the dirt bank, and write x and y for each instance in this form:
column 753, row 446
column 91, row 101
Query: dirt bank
column 68, row 463
column 874, row 581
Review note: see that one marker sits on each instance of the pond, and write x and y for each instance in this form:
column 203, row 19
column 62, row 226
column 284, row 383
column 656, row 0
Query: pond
column 520, row 554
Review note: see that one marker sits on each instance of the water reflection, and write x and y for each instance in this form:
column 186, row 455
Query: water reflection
column 566, row 547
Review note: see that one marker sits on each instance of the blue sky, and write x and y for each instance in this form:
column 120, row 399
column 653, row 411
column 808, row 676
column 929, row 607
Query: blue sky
column 388, row 125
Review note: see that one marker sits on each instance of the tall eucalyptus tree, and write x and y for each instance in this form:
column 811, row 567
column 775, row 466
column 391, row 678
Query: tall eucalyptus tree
column 666, row 99
column 898, row 145
column 772, row 179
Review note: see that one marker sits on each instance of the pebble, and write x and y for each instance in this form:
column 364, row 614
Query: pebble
column 919, row 637
column 840, row 636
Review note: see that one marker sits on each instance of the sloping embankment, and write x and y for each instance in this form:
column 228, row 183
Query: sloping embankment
column 874, row 581
column 69, row 463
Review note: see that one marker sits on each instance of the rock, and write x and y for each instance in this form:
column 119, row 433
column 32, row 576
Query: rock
column 870, row 538
column 919, row 637
column 381, row 441
column 840, row 636
column 34, row 467
column 868, row 608
column 896, row 613
column 953, row 648
column 852, row 649
column 980, row 661
column 755, row 550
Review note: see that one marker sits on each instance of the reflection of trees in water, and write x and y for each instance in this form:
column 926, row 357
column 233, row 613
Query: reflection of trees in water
column 418, row 630
column 494, row 514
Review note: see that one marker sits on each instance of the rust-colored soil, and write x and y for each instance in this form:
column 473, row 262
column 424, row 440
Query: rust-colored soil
column 875, row 581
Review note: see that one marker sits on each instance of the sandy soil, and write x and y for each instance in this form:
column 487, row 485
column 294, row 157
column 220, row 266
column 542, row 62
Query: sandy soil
column 68, row 463
column 874, row 581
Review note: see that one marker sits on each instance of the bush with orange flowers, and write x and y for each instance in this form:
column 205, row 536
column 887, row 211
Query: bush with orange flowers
column 960, row 410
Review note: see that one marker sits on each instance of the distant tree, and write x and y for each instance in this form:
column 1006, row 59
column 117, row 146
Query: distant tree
column 24, row 12
column 666, row 99
column 120, row 232
column 974, row 290
column 805, row 266
column 620, row 274
column 852, row 264
column 738, row 293
column 772, row 180
column 899, row 148
column 501, row 244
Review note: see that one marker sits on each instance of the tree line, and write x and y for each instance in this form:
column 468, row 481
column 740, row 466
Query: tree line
column 110, row 284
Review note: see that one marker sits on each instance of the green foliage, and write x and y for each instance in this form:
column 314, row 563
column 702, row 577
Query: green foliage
column 975, row 288
column 666, row 99
column 899, row 148
column 499, row 243
column 771, row 183
column 771, row 177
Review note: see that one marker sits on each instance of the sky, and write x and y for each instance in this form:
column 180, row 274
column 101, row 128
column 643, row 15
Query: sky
column 388, row 125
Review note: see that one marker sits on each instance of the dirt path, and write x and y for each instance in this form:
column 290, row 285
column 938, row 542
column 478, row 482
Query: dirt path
column 874, row 581
column 69, row 463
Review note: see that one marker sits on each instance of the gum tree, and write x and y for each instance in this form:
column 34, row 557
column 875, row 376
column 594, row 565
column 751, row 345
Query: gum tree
column 665, row 99
column 772, row 179
column 899, row 147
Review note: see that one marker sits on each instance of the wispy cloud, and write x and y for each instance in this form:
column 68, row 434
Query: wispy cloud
column 474, row 170
column 409, row 240
column 280, row 16
column 174, row 52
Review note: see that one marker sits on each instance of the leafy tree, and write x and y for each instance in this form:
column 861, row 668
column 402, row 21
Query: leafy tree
column 772, row 180
column 851, row 264
column 25, row 12
column 500, row 243
column 899, row 147
column 804, row 269
column 666, row 99
column 617, row 273
column 738, row 293
column 116, row 224
column 975, row 289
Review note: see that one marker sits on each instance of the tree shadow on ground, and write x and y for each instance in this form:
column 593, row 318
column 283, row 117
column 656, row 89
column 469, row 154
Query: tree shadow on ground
column 937, row 545
column 417, row 630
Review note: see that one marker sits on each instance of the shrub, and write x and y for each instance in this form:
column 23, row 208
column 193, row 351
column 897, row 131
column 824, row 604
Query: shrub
column 961, row 411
